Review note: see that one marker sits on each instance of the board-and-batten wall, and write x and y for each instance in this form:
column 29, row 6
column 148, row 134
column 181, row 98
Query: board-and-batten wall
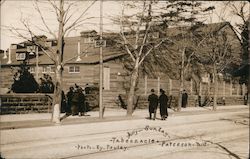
column 118, row 81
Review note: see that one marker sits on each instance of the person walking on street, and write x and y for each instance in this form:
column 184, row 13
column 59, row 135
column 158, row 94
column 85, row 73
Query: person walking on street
column 163, row 100
column 153, row 103
column 184, row 99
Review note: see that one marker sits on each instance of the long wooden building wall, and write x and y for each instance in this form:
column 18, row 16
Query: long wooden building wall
column 119, row 82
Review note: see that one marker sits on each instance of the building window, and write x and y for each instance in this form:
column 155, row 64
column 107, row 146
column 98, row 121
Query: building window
column 74, row 69
column 106, row 78
column 89, row 40
column 52, row 69
column 20, row 56
column 32, row 69
column 46, row 69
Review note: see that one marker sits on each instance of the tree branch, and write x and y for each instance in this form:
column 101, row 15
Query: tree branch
column 123, row 36
column 79, row 18
column 148, row 52
column 137, row 35
column 43, row 20
column 17, row 33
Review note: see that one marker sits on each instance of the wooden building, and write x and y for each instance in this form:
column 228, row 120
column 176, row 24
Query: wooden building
column 81, row 58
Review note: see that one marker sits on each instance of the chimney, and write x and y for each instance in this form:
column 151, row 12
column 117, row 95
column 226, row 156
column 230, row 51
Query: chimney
column 9, row 60
column 5, row 55
column 78, row 52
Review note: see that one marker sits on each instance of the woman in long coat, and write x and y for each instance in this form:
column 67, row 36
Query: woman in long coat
column 163, row 100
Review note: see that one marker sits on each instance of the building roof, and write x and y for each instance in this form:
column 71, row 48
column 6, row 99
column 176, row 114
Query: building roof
column 90, row 54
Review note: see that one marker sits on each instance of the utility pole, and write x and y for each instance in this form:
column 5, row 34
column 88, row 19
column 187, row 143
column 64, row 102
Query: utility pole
column 101, row 64
column 181, row 79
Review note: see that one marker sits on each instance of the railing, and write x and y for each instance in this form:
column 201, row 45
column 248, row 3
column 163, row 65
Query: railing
column 25, row 103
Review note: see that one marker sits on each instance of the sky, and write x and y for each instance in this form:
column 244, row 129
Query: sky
column 12, row 11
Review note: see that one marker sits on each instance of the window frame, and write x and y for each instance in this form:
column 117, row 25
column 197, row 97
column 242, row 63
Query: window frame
column 89, row 40
column 32, row 69
column 20, row 56
column 76, row 69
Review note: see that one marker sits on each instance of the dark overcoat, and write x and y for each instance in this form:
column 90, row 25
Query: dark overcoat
column 184, row 99
column 81, row 102
column 74, row 103
column 153, row 102
column 163, row 100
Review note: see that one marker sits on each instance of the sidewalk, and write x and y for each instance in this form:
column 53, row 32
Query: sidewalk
column 34, row 137
column 15, row 121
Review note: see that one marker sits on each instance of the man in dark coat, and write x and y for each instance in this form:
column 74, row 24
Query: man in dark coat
column 69, row 95
column 184, row 99
column 153, row 103
column 74, row 103
column 63, row 103
column 81, row 102
column 163, row 100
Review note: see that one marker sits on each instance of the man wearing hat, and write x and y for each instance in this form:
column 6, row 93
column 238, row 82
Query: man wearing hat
column 153, row 103
column 163, row 100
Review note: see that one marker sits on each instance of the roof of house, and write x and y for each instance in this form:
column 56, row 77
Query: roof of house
column 90, row 54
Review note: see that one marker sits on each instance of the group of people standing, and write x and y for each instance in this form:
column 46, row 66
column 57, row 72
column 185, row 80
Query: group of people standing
column 46, row 84
column 154, row 101
column 75, row 102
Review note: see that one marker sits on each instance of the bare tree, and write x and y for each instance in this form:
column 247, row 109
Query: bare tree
column 143, row 33
column 218, row 56
column 134, row 32
column 186, row 16
column 241, row 10
column 68, row 19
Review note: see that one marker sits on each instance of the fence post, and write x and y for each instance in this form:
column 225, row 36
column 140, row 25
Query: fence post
column 238, row 88
column 224, row 89
column 209, row 87
column 200, row 91
column 243, row 89
column 231, row 88
column 145, row 85
column 191, row 87
column 170, row 86
column 158, row 85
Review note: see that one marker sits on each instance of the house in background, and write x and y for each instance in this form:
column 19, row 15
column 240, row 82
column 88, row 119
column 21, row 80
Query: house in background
column 81, row 58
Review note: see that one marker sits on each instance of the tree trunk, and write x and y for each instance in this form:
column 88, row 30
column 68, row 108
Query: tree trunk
column 59, row 70
column 57, row 97
column 133, row 80
column 215, row 88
